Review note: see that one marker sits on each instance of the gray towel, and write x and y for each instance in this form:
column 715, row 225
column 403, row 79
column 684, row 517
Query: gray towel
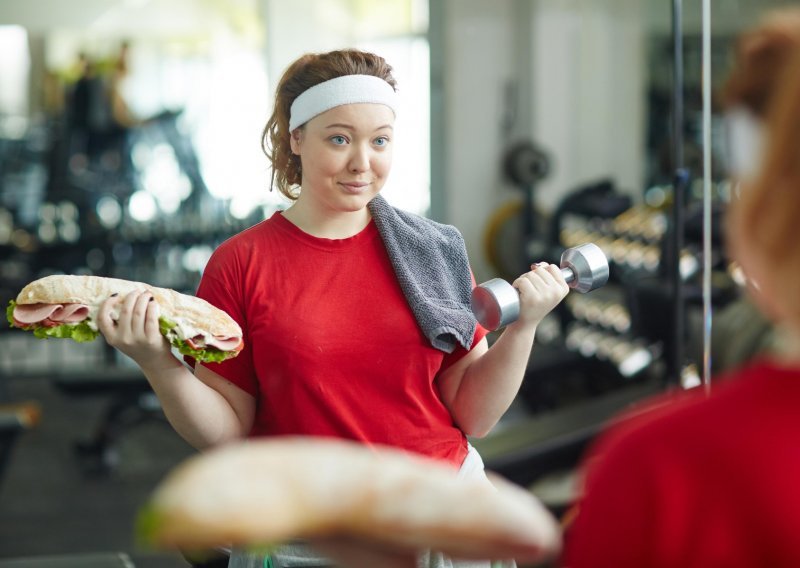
column 431, row 264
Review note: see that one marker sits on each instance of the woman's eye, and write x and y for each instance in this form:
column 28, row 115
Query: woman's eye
column 339, row 140
column 382, row 141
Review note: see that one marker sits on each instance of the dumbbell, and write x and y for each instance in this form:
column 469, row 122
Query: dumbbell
column 495, row 303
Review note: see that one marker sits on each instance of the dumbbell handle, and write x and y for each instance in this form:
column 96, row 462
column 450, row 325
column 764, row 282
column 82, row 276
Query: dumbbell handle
column 496, row 303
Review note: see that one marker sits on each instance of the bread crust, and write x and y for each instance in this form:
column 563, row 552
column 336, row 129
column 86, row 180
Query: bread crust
column 267, row 491
column 94, row 290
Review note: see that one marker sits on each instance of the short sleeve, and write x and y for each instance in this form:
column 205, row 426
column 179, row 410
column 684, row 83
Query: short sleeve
column 220, row 288
column 459, row 352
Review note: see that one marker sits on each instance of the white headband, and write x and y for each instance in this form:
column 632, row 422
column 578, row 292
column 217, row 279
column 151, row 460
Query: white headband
column 745, row 138
column 344, row 90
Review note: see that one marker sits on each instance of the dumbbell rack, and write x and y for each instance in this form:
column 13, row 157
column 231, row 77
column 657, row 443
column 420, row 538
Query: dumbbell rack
column 602, row 326
column 601, row 329
column 628, row 323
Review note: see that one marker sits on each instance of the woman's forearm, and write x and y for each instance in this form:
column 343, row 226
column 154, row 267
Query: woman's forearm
column 203, row 407
column 491, row 382
column 199, row 413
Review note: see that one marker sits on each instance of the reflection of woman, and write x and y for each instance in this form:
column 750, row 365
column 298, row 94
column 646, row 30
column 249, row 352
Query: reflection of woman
column 355, row 314
column 713, row 481
column 99, row 116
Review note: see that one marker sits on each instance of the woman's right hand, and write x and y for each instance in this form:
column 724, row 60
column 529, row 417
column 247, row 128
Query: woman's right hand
column 130, row 324
column 540, row 290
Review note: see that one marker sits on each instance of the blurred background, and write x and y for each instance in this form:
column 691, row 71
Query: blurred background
column 130, row 147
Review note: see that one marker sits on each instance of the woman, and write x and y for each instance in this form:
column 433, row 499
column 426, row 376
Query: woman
column 712, row 481
column 355, row 314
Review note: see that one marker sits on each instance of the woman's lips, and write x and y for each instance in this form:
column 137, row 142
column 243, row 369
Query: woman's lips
column 355, row 186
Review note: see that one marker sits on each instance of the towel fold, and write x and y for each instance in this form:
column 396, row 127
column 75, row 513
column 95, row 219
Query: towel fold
column 431, row 265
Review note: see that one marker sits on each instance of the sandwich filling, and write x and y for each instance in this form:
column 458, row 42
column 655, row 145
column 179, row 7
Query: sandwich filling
column 77, row 322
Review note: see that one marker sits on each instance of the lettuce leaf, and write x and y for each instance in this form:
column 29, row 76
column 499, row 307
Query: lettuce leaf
column 207, row 355
column 164, row 325
column 10, row 312
column 82, row 332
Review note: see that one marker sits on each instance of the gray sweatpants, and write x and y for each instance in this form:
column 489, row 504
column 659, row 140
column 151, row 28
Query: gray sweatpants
column 302, row 556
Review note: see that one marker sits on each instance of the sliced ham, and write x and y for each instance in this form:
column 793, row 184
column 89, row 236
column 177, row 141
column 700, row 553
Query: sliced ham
column 49, row 315
column 33, row 313
column 221, row 343
column 226, row 343
column 70, row 313
column 196, row 342
column 29, row 314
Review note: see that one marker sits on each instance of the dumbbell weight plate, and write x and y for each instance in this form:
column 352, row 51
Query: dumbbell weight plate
column 495, row 303
column 586, row 265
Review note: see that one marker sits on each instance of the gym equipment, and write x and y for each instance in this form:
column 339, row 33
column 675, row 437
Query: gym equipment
column 495, row 303
column 630, row 356
column 525, row 164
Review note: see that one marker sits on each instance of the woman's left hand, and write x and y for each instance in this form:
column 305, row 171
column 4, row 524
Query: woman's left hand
column 540, row 290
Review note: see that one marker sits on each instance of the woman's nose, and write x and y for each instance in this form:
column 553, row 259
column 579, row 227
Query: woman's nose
column 359, row 160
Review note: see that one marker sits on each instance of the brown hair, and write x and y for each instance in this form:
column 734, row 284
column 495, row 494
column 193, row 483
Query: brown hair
column 309, row 70
column 763, row 220
column 760, row 55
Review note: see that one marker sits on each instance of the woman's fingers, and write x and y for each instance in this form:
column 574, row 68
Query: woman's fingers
column 540, row 291
column 544, row 275
column 151, row 326
column 125, row 322
column 139, row 313
column 133, row 318
column 557, row 276
column 105, row 322
column 131, row 325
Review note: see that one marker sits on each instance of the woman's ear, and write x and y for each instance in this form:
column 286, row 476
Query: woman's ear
column 295, row 138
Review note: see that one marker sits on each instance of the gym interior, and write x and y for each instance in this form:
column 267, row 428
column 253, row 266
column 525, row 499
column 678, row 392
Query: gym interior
column 533, row 126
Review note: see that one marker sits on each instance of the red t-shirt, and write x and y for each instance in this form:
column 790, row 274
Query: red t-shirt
column 331, row 345
column 698, row 481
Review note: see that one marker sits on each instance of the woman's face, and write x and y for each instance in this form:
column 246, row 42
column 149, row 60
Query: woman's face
column 346, row 155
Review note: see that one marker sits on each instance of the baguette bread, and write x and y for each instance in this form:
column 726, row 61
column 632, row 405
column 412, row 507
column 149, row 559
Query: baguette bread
column 94, row 290
column 268, row 491
column 185, row 318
